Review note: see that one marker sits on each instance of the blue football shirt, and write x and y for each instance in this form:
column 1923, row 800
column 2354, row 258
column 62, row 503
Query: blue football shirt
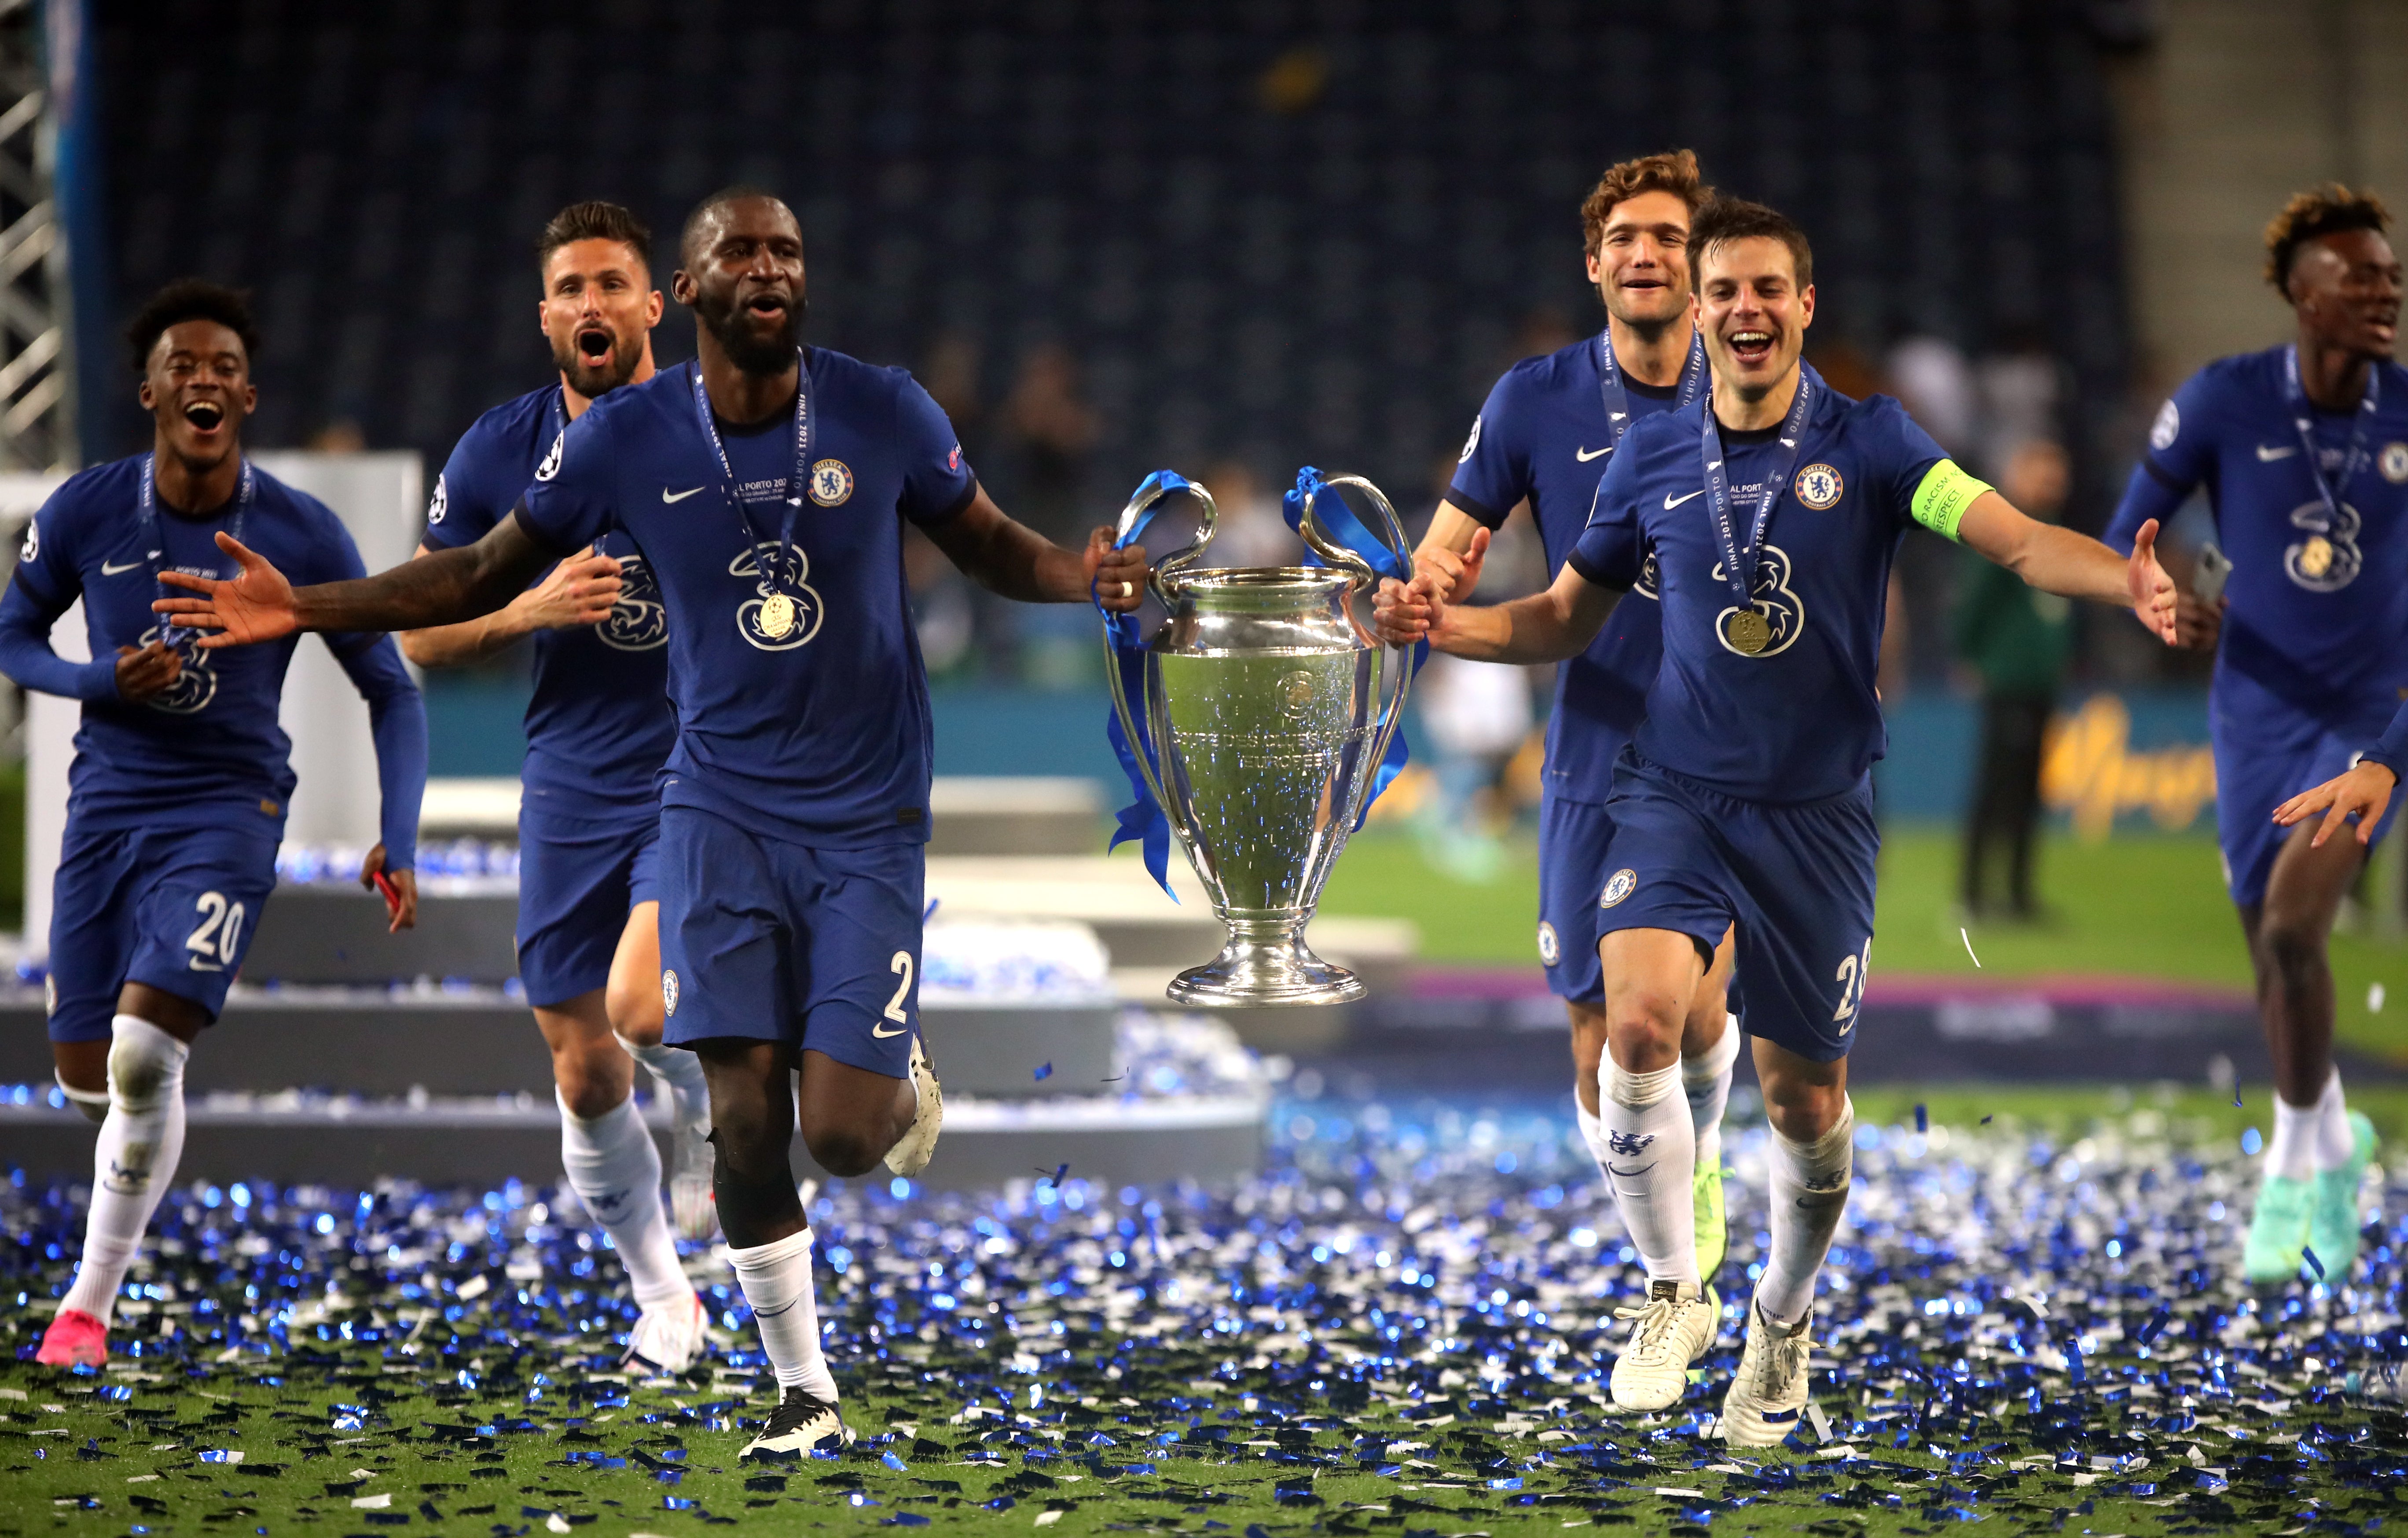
column 818, row 734
column 211, row 742
column 599, row 724
column 2318, row 610
column 1800, row 721
column 1543, row 435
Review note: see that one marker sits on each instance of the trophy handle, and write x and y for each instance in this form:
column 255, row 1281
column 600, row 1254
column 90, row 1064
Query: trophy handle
column 1338, row 555
column 1141, row 509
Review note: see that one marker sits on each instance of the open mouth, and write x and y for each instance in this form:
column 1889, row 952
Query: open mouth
column 1751, row 347
column 594, row 344
column 767, row 307
column 204, row 416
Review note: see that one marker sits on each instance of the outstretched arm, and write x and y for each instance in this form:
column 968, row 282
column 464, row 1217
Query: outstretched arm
column 2057, row 560
column 577, row 591
column 1011, row 558
column 1545, row 627
column 443, row 589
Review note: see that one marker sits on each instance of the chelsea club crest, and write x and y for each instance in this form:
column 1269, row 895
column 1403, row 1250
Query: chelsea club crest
column 669, row 991
column 1550, row 950
column 831, row 482
column 2393, row 461
column 1819, row 486
column 1621, row 885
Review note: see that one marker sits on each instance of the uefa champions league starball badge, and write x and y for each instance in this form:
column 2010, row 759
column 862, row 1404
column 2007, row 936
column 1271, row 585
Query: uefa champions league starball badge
column 777, row 615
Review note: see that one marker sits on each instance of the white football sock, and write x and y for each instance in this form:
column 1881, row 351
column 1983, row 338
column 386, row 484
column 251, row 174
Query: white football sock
column 2334, row 1142
column 1810, row 1191
column 2291, row 1152
column 679, row 1072
column 615, row 1170
column 776, row 1282
column 1592, row 1132
column 133, row 1158
column 1706, row 1079
column 1651, row 1158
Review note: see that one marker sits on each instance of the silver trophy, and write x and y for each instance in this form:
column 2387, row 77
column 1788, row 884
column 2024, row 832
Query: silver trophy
column 1270, row 705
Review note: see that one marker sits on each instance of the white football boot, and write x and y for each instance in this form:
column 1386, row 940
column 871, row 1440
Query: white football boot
column 1672, row 1330
column 918, row 1144
column 799, row 1425
column 1767, row 1393
column 668, row 1338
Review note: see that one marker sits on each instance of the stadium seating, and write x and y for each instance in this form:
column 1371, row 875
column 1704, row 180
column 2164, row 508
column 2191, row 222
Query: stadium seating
column 1278, row 229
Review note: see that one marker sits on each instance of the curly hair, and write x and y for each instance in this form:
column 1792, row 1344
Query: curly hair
column 2327, row 210
column 188, row 299
column 1674, row 171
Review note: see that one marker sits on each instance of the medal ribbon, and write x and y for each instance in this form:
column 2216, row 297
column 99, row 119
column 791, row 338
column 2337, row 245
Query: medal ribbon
column 1142, row 819
column 1738, row 566
column 1617, row 400
column 1329, row 510
column 804, row 425
column 2296, row 396
column 154, row 548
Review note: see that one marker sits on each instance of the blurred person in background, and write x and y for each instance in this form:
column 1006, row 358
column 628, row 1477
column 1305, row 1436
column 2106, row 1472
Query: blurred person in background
column 2303, row 450
column 1247, row 529
column 1049, row 432
column 2017, row 639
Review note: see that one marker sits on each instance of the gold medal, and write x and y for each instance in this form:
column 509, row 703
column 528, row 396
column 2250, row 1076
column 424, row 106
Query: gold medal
column 777, row 615
column 2315, row 556
column 1747, row 632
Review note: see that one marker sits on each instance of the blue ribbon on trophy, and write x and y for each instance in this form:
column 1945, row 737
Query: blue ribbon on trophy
column 1140, row 820
column 1330, row 508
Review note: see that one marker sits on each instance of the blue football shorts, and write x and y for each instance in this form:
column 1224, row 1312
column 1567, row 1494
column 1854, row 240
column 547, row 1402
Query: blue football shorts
column 172, row 907
column 1572, row 840
column 2268, row 751
column 780, row 941
column 579, row 877
column 1796, row 879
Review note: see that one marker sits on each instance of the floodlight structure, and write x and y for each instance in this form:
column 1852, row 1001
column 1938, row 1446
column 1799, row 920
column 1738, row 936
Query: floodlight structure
column 37, row 416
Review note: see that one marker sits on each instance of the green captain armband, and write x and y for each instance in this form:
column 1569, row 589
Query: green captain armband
column 1941, row 501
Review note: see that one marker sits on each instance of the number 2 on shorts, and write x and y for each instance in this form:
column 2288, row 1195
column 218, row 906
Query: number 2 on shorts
column 901, row 963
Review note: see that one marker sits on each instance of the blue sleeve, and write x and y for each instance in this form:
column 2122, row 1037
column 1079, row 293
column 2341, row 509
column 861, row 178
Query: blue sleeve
column 1493, row 472
column 573, row 500
column 1613, row 549
column 468, row 499
column 937, row 483
column 1908, row 451
column 2181, row 454
column 45, row 586
column 2391, row 749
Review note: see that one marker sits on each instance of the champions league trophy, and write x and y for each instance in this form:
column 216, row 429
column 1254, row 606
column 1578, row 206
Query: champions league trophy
column 1269, row 707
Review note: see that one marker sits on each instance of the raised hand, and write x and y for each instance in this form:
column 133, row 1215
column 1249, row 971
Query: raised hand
column 2365, row 790
column 256, row 606
column 580, row 590
column 1454, row 576
column 144, row 674
column 1115, row 577
column 2152, row 591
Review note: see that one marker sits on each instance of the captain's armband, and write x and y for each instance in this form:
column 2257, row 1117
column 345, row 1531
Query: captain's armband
column 1941, row 501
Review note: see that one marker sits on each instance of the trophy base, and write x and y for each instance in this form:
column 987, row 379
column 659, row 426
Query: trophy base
column 1259, row 971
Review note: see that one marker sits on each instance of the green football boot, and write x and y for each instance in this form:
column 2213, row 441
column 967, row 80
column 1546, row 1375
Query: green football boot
column 2332, row 1220
column 1713, row 1228
column 2277, row 1231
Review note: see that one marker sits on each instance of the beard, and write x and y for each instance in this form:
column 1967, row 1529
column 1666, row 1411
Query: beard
column 593, row 378
column 745, row 348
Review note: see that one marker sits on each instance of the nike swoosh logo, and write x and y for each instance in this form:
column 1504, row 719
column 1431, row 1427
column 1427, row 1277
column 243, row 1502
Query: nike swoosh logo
column 1672, row 501
column 107, row 570
column 881, row 1035
column 667, row 495
column 773, row 1313
column 2268, row 456
column 1629, row 1174
column 1584, row 455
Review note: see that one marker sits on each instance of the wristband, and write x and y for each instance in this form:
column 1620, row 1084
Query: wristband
column 1941, row 501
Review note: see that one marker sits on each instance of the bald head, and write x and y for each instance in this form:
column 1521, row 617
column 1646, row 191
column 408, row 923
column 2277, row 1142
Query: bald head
column 702, row 225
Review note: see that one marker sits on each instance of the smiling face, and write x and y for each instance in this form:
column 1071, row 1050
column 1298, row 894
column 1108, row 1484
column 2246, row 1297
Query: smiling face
column 1641, row 264
column 197, row 388
column 599, row 308
column 1753, row 313
column 2346, row 288
column 743, row 275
